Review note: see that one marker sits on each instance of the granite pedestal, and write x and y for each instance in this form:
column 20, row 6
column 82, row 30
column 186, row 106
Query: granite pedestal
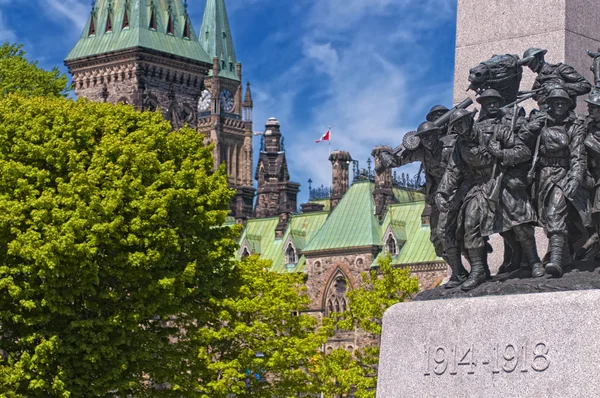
column 521, row 345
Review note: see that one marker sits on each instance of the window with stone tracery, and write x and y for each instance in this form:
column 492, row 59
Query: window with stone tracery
column 336, row 300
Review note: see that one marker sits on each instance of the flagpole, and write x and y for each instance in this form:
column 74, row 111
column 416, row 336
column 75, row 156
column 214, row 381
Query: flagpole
column 330, row 174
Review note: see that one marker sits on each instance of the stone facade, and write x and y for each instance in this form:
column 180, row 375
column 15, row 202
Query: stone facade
column 143, row 79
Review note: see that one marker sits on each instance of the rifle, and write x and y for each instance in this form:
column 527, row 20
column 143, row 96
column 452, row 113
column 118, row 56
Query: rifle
column 495, row 194
column 524, row 97
column 536, row 155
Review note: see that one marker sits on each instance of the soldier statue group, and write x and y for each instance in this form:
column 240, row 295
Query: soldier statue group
column 505, row 172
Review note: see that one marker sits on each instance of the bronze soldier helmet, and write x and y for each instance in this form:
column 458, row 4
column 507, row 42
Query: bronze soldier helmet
column 490, row 93
column 427, row 127
column 458, row 116
column 532, row 52
column 559, row 93
column 593, row 98
column 435, row 110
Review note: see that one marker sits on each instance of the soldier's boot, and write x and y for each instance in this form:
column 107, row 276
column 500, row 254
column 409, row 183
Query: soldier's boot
column 557, row 247
column 513, row 254
column 478, row 269
column 459, row 273
column 531, row 255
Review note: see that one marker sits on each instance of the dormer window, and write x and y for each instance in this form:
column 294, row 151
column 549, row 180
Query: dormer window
column 290, row 255
column 245, row 253
column 152, row 19
column 92, row 30
column 108, row 24
column 391, row 246
column 186, row 29
column 170, row 29
column 125, row 20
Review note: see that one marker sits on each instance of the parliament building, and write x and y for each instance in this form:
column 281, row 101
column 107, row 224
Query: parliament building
column 147, row 53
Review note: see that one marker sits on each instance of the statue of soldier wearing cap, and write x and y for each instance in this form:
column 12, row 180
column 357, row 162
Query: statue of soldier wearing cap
column 558, row 172
column 550, row 76
column 433, row 151
column 489, row 205
column 492, row 116
column 591, row 181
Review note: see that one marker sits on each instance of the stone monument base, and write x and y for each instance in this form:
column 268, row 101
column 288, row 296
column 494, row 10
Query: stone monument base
column 515, row 345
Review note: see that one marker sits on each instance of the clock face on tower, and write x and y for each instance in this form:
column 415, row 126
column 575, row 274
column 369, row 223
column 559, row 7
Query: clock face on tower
column 226, row 101
column 204, row 101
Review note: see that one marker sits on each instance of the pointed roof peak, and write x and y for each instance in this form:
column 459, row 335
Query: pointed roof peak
column 216, row 39
column 248, row 97
column 159, row 25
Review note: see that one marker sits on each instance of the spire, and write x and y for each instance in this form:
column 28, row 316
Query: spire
column 248, row 99
column 158, row 25
column 216, row 39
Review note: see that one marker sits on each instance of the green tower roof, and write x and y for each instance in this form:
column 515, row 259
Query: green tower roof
column 216, row 39
column 160, row 25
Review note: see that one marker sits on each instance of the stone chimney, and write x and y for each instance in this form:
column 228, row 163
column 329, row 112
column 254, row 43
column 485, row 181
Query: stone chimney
column 311, row 207
column 383, row 195
column 340, row 169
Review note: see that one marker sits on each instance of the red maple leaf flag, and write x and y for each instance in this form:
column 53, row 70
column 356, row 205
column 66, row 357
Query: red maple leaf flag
column 325, row 137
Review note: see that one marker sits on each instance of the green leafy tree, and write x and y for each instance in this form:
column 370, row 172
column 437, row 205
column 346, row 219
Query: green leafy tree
column 262, row 345
column 18, row 75
column 110, row 248
column 342, row 373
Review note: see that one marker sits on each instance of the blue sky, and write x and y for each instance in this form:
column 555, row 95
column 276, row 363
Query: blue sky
column 370, row 69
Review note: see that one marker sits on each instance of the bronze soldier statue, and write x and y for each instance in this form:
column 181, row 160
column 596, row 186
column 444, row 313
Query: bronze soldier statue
column 493, row 114
column 491, row 205
column 435, row 113
column 592, row 145
column 551, row 76
column 563, row 207
column 433, row 152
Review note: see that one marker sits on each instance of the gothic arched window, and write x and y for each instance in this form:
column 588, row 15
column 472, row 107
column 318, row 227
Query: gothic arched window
column 390, row 245
column 290, row 255
column 336, row 300
column 245, row 253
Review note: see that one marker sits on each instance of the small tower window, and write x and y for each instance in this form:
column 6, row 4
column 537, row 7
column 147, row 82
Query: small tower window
column 170, row 30
column 108, row 23
column 152, row 19
column 92, row 30
column 186, row 29
column 391, row 245
column 125, row 20
column 245, row 253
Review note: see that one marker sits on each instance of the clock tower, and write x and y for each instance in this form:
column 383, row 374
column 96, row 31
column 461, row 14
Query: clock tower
column 223, row 117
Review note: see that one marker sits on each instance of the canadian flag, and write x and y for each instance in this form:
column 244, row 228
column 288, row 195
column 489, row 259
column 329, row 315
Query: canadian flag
column 325, row 137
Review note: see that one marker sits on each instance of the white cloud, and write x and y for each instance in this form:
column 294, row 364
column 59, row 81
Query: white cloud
column 6, row 33
column 74, row 11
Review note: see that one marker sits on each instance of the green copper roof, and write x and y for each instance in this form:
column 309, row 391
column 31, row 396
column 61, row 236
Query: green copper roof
column 259, row 236
column 417, row 248
column 404, row 195
column 140, row 31
column 352, row 223
column 216, row 39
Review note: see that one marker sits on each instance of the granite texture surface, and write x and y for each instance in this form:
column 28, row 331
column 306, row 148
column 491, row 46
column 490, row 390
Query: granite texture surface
column 513, row 346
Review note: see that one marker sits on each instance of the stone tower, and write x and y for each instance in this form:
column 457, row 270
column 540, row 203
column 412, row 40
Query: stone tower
column 147, row 54
column 277, row 195
column 143, row 53
column 340, row 169
column 566, row 28
column 225, row 120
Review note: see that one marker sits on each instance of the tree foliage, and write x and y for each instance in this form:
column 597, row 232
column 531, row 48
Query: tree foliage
column 110, row 248
column 18, row 75
column 342, row 373
column 262, row 344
